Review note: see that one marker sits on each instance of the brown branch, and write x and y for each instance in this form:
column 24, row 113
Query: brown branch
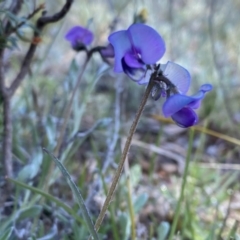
column 7, row 93
column 2, row 81
column 41, row 22
column 7, row 126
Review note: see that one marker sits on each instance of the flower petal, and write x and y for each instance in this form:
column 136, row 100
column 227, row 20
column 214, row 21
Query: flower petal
column 178, row 101
column 206, row 87
column 147, row 41
column 78, row 34
column 108, row 51
column 136, row 74
column 145, row 79
column 178, row 75
column 131, row 60
column 186, row 117
column 121, row 44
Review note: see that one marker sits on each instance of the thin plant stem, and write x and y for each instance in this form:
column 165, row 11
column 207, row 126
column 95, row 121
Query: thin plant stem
column 76, row 192
column 226, row 216
column 124, row 155
column 7, row 124
column 177, row 212
column 233, row 231
column 7, row 136
column 68, row 108
column 130, row 204
column 66, row 115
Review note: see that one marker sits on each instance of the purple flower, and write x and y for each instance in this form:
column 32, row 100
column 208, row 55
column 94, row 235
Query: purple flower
column 178, row 105
column 79, row 37
column 135, row 48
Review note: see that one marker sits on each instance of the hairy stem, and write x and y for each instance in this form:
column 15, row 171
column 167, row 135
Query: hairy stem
column 124, row 155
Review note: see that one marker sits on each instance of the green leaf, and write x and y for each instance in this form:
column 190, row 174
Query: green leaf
column 6, row 234
column 77, row 194
column 163, row 230
column 30, row 212
column 140, row 202
column 125, row 225
column 32, row 169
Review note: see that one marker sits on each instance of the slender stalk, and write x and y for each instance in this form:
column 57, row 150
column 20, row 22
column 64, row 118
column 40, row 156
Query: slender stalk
column 177, row 213
column 77, row 194
column 7, row 123
column 226, row 216
column 130, row 203
column 123, row 157
column 68, row 108
column 233, row 231
column 7, row 136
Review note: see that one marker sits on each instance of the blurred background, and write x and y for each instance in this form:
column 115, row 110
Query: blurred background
column 203, row 37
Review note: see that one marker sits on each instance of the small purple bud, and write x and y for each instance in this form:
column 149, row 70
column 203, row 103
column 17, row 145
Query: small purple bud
column 79, row 37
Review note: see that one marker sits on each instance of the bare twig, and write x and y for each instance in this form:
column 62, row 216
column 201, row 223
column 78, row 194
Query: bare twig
column 7, row 93
column 2, row 80
column 7, row 125
column 41, row 22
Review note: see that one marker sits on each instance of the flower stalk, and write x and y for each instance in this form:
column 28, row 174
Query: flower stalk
column 124, row 155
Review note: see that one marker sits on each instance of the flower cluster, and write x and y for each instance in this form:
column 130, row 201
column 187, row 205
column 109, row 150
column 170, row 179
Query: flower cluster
column 137, row 51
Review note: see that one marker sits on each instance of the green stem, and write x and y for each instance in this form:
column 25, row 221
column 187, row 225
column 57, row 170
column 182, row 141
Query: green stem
column 66, row 115
column 123, row 157
column 77, row 194
column 130, row 203
column 177, row 213
column 67, row 110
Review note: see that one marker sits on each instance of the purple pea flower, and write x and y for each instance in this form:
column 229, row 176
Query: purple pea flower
column 174, row 82
column 79, row 37
column 135, row 48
